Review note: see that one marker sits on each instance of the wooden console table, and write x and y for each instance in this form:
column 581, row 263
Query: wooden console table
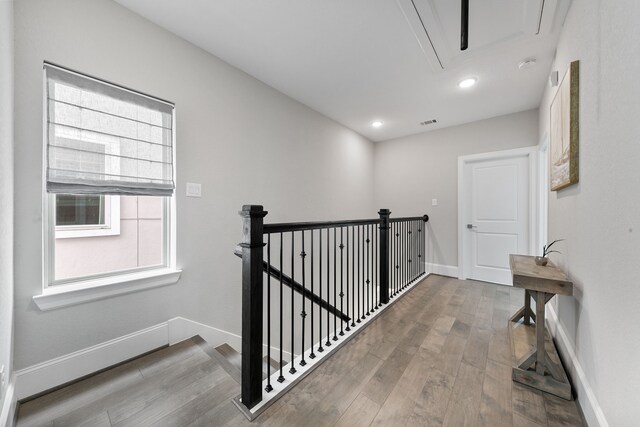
column 536, row 360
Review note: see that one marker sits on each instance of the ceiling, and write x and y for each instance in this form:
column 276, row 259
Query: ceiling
column 397, row 61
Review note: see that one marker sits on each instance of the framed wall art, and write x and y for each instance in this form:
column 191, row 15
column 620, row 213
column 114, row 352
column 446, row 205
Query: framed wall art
column 565, row 130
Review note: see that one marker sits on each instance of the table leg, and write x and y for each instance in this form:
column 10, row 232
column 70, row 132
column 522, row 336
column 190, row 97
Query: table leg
column 527, row 307
column 541, row 353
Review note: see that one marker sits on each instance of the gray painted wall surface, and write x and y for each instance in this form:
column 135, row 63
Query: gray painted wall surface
column 410, row 171
column 6, row 189
column 600, row 216
column 244, row 141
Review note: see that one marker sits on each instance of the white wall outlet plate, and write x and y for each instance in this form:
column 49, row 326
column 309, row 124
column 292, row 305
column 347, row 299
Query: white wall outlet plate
column 434, row 202
column 194, row 189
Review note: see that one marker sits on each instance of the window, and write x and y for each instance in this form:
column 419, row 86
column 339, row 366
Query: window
column 86, row 216
column 109, row 183
column 79, row 211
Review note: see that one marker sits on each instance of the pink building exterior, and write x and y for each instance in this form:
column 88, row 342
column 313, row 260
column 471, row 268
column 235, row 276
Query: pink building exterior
column 139, row 244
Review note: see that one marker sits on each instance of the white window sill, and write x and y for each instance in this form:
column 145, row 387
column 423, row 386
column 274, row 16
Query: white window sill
column 91, row 290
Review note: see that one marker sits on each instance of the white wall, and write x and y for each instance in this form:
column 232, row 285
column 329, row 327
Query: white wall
column 600, row 216
column 410, row 171
column 6, row 191
column 244, row 141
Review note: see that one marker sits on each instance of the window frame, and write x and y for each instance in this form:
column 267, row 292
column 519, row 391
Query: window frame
column 71, row 291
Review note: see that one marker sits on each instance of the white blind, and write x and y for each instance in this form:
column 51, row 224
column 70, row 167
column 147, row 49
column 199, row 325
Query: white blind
column 104, row 139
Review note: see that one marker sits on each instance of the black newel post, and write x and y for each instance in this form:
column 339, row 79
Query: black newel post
column 252, row 322
column 384, row 255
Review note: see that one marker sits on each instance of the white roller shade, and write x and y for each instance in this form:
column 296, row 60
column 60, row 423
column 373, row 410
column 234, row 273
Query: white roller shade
column 105, row 139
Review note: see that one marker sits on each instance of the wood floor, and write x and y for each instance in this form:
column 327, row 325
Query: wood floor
column 439, row 356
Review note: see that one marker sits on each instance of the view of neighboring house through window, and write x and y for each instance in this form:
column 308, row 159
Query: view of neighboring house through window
column 109, row 178
column 83, row 211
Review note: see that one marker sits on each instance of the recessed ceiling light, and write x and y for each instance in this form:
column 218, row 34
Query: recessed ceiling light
column 466, row 83
column 527, row 63
column 376, row 124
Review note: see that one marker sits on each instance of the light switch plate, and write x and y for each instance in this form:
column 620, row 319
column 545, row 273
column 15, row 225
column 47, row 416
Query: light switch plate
column 194, row 189
column 434, row 202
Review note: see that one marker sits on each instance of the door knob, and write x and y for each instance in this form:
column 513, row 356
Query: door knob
column 471, row 226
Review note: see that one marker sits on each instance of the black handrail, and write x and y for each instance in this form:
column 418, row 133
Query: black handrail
column 424, row 218
column 300, row 226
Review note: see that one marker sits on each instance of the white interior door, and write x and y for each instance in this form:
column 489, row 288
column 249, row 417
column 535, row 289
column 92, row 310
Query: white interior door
column 496, row 210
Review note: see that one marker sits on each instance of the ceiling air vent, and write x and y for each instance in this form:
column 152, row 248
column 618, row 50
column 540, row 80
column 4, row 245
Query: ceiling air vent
column 428, row 122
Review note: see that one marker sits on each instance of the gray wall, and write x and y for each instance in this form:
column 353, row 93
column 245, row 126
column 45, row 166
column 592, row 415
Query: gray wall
column 410, row 171
column 6, row 189
column 244, row 141
column 600, row 216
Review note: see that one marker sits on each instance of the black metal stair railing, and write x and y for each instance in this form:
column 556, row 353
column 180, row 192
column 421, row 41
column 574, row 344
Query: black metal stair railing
column 339, row 274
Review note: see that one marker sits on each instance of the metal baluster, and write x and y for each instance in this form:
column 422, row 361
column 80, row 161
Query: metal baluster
column 364, row 283
column 418, row 234
column 371, row 296
column 398, row 254
column 413, row 251
column 374, row 291
column 281, row 377
column 358, row 284
column 414, row 254
column 353, row 276
column 392, row 271
column 409, row 256
column 397, row 257
column 341, row 281
column 423, row 239
column 328, row 343
column 392, row 258
column 376, row 269
column 335, row 283
column 293, row 271
column 268, row 388
column 410, row 265
column 406, row 253
column 312, row 355
column 405, row 257
column 370, row 267
column 366, row 267
column 402, row 257
column 419, row 249
column 320, row 348
column 393, row 267
column 348, row 328
column 303, row 313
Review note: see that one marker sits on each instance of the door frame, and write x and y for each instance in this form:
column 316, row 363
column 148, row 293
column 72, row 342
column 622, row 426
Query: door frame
column 543, row 192
column 463, row 238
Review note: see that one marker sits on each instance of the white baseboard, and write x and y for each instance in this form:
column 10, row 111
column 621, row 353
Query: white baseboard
column 61, row 370
column 181, row 329
column 588, row 401
column 8, row 409
column 441, row 269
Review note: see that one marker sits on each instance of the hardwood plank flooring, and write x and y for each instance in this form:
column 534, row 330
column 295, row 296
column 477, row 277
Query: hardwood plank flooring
column 438, row 357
